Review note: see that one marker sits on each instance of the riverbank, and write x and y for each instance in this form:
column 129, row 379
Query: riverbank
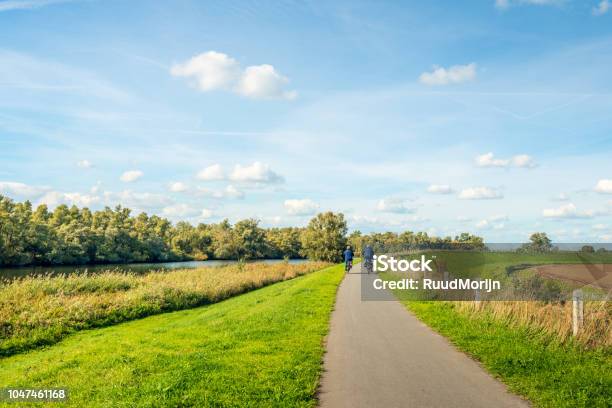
column 263, row 348
column 16, row 272
column 41, row 311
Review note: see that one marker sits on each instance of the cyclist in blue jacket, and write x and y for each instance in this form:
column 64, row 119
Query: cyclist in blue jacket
column 348, row 258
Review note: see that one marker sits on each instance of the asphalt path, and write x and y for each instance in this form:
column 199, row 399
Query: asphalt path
column 380, row 355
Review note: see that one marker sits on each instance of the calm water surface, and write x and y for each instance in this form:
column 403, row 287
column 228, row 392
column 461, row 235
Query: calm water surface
column 141, row 268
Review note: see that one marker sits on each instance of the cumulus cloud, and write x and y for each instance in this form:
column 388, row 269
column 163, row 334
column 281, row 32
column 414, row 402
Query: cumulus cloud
column 439, row 189
column 480, row 193
column 21, row 190
column 55, row 198
column 604, row 186
column 301, row 207
column 131, row 175
column 521, row 160
column 84, row 164
column 566, row 211
column 213, row 70
column 602, row 8
column 453, row 75
column 180, row 210
column 262, row 81
column 256, row 173
column 178, row 187
column 137, row 200
column 488, row 224
column 211, row 173
column 206, row 213
column 493, row 222
column 394, row 205
column 228, row 192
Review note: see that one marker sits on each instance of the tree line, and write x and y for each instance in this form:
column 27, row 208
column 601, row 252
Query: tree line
column 72, row 235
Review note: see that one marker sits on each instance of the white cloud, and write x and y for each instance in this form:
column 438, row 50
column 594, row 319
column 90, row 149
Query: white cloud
column 180, row 210
column 492, row 222
column 566, row 211
column 301, row 207
column 487, row 160
column 463, row 218
column 211, row 173
column 394, row 205
column 604, row 186
column 9, row 5
column 439, row 189
column 262, row 81
column 210, row 70
column 136, row 200
column 55, row 198
column 84, row 164
column 521, row 160
column 205, row 214
column 131, row 175
column 21, row 190
column 480, row 193
column 229, row 192
column 453, row 75
column 232, row 192
column 602, row 8
column 217, row 71
column 178, row 187
column 600, row 227
column 257, row 173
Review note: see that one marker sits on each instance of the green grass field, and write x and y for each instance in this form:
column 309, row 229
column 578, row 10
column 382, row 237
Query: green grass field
column 260, row 348
column 527, row 344
column 548, row 373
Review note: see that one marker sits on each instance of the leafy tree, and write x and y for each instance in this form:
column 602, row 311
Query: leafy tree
column 539, row 242
column 587, row 248
column 325, row 237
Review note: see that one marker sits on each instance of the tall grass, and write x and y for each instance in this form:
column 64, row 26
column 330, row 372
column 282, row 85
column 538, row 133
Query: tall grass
column 551, row 319
column 38, row 311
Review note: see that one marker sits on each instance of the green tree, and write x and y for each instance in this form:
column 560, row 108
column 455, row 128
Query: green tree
column 325, row 237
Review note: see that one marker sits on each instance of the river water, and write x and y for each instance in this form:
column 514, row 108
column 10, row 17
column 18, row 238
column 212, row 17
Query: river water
column 140, row 268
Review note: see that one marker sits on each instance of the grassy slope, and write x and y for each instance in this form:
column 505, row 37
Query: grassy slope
column 546, row 372
column 533, row 364
column 263, row 346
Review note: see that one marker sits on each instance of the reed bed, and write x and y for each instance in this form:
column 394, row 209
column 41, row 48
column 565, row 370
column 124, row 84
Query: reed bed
column 37, row 311
column 554, row 320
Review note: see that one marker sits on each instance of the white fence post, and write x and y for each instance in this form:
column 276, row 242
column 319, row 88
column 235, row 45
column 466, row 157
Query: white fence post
column 577, row 311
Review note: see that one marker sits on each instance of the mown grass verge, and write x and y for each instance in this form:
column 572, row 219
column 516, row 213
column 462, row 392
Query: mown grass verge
column 41, row 311
column 263, row 348
column 533, row 364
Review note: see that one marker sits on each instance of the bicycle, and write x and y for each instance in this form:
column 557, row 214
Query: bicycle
column 348, row 265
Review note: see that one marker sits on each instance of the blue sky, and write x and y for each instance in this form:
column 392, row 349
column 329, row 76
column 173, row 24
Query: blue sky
column 492, row 117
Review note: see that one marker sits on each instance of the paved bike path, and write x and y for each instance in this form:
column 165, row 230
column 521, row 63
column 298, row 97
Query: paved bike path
column 380, row 355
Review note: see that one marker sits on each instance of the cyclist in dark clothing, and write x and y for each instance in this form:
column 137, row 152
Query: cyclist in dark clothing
column 348, row 258
column 368, row 256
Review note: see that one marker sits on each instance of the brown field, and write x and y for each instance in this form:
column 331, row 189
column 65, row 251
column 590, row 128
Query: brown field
column 596, row 275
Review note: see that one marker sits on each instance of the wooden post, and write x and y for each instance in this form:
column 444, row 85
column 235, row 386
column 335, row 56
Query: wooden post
column 477, row 298
column 577, row 311
column 446, row 277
